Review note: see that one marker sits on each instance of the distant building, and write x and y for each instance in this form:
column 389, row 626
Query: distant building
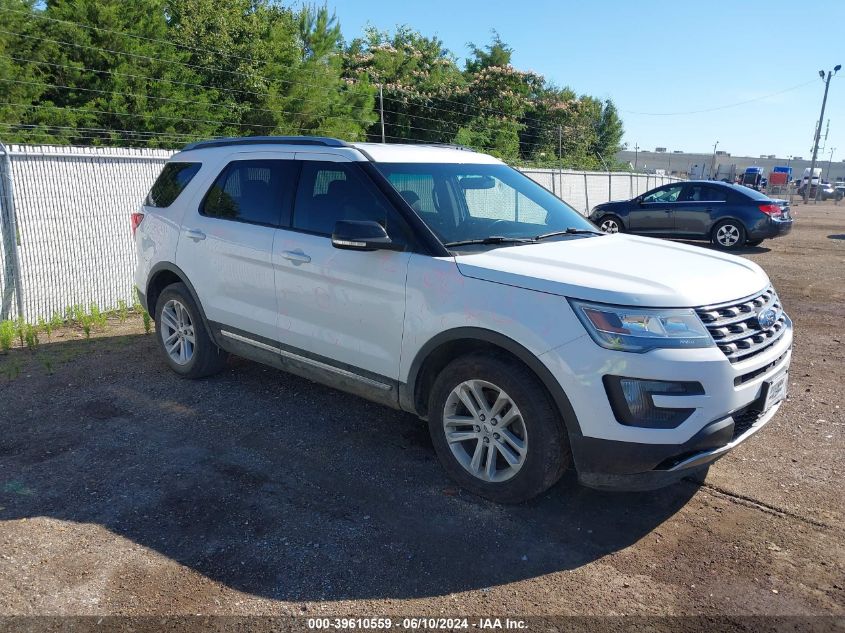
column 660, row 150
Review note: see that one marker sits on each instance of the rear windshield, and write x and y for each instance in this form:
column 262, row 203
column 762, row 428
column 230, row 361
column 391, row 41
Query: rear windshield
column 170, row 183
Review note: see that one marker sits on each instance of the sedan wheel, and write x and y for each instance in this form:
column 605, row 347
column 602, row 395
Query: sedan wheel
column 728, row 235
column 485, row 431
column 609, row 225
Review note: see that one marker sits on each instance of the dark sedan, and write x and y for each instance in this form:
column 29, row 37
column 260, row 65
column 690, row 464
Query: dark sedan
column 730, row 216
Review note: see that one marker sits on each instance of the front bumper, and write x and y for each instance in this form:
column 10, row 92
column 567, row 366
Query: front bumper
column 611, row 455
column 680, row 461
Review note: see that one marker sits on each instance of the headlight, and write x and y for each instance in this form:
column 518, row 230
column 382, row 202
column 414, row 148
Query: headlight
column 630, row 329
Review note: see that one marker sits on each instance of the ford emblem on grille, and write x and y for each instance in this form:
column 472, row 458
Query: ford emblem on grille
column 767, row 318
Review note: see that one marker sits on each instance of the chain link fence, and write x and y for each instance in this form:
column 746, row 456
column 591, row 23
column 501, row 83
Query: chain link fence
column 65, row 211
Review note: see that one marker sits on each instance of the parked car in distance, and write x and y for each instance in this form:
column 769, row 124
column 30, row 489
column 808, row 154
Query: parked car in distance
column 442, row 282
column 730, row 216
column 827, row 191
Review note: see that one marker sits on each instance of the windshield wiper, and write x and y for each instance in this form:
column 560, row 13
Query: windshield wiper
column 568, row 231
column 493, row 239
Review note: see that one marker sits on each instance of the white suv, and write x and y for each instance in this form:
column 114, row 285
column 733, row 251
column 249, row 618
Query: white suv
column 442, row 282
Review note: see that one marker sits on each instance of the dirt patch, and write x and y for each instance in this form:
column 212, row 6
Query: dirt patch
column 125, row 490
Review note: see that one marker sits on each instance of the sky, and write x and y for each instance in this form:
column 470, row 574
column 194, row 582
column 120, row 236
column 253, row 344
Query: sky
column 661, row 58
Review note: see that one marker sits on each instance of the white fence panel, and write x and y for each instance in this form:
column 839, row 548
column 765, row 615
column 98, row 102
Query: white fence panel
column 583, row 190
column 72, row 207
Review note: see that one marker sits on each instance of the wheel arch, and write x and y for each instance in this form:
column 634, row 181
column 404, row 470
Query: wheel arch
column 163, row 275
column 614, row 214
column 446, row 346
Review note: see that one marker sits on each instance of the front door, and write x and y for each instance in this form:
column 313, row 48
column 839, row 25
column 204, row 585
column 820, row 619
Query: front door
column 341, row 307
column 655, row 213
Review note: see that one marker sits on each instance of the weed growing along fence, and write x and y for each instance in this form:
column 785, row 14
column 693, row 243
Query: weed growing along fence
column 65, row 229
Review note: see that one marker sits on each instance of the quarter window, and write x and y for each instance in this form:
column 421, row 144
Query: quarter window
column 170, row 183
column 254, row 191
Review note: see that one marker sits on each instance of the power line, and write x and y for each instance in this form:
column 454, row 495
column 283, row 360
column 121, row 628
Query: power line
column 723, row 107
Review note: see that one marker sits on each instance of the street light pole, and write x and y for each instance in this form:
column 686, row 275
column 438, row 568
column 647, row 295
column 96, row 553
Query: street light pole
column 829, row 159
column 636, row 156
column 830, row 74
column 713, row 164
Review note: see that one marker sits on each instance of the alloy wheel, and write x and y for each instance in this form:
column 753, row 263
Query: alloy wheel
column 177, row 332
column 609, row 225
column 727, row 235
column 485, row 431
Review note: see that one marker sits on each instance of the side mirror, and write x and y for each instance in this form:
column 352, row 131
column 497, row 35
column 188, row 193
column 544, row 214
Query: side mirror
column 365, row 235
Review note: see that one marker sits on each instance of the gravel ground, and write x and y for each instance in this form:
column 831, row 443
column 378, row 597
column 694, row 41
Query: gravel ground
column 127, row 491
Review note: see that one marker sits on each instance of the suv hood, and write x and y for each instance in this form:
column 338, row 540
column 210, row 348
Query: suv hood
column 621, row 269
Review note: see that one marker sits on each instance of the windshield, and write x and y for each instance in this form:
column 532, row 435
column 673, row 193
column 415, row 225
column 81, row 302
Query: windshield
column 465, row 202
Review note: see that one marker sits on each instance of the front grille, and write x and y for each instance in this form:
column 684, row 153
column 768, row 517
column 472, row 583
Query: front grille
column 735, row 329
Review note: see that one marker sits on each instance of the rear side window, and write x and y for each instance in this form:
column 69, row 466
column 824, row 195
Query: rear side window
column 170, row 183
column 255, row 191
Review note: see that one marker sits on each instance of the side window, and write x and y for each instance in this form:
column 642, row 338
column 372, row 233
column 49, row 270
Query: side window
column 666, row 194
column 255, row 191
column 713, row 194
column 417, row 189
column 170, row 183
column 331, row 192
column 491, row 199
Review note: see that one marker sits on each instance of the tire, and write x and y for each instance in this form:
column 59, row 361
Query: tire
column 179, row 322
column 536, row 426
column 610, row 221
column 728, row 235
column 753, row 242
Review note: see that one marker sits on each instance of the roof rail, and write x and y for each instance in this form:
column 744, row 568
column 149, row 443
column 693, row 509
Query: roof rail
column 323, row 141
column 463, row 148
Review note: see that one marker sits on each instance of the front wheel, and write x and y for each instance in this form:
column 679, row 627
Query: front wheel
column 729, row 235
column 610, row 224
column 182, row 337
column 495, row 430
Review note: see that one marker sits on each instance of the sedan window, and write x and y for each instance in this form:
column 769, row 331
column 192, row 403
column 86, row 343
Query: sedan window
column 667, row 194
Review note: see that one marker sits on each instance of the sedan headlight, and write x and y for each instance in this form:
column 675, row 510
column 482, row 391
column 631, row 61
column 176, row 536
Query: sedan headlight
column 631, row 329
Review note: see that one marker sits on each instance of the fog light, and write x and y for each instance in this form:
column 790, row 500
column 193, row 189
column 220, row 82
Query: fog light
column 633, row 405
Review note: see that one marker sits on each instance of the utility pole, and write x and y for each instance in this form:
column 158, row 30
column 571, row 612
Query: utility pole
column 829, row 159
column 636, row 156
column 830, row 74
column 381, row 111
column 713, row 164
column 560, row 142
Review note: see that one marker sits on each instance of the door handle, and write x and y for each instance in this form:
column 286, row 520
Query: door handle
column 297, row 257
column 194, row 234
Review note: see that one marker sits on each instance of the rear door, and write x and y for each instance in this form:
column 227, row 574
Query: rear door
column 342, row 308
column 227, row 236
column 655, row 213
column 698, row 208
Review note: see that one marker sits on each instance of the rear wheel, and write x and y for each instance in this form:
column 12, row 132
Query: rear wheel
column 729, row 235
column 610, row 224
column 186, row 345
column 495, row 430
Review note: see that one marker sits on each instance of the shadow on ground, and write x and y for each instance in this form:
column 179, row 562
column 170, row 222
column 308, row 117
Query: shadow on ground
column 278, row 487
